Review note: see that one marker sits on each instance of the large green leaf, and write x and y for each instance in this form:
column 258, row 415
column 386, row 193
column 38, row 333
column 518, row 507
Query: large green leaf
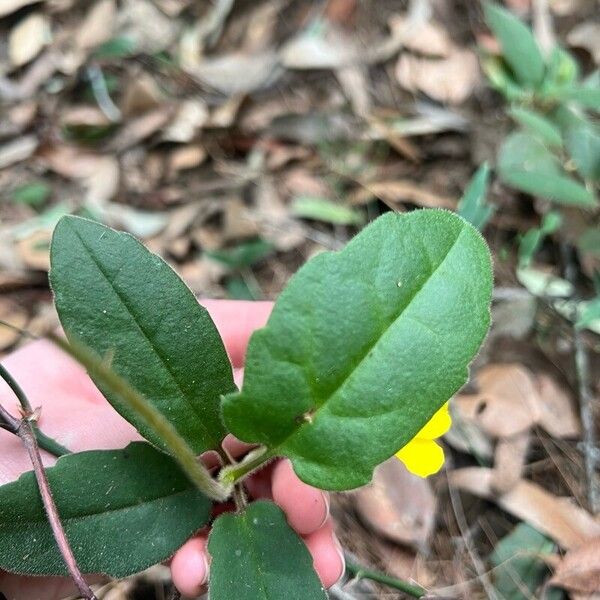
column 125, row 303
column 123, row 511
column 257, row 556
column 519, row 47
column 526, row 163
column 365, row 345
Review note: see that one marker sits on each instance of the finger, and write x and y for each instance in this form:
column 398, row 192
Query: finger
column 306, row 507
column 236, row 320
column 190, row 567
column 327, row 554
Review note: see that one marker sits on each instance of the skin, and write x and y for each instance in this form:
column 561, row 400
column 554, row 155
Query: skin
column 75, row 414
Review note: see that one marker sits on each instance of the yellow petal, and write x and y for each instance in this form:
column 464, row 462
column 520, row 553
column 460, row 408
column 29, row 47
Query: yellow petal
column 422, row 457
column 437, row 426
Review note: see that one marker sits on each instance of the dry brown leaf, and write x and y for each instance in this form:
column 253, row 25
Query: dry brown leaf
column 10, row 6
column 506, row 403
column 401, row 190
column 424, row 37
column 98, row 26
column 191, row 116
column 579, row 570
column 184, row 158
column 27, row 38
column 17, row 150
column 70, row 161
column 83, row 115
column 556, row 411
column 236, row 223
column 141, row 95
column 558, row 518
column 586, row 35
column 509, row 460
column 15, row 315
column 238, row 73
column 34, row 250
column 449, row 80
column 398, row 505
column 141, row 128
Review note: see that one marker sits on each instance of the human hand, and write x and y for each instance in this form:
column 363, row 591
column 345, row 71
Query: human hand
column 76, row 415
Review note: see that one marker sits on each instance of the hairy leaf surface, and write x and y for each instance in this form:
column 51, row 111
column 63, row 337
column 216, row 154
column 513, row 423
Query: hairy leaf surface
column 365, row 345
column 123, row 511
column 256, row 555
column 127, row 304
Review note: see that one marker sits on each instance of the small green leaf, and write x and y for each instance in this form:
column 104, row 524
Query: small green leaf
column 526, row 163
column 365, row 345
column 532, row 240
column 562, row 71
column 256, row 555
column 518, row 558
column 590, row 313
column 320, row 209
column 243, row 255
column 583, row 144
column 123, row 511
column 117, row 47
column 473, row 206
column 238, row 289
column 537, row 124
column 34, row 194
column 501, row 79
column 519, row 48
column 125, row 303
column 586, row 96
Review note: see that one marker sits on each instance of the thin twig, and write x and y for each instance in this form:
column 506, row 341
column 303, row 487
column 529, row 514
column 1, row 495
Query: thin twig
column 44, row 441
column 27, row 436
column 474, row 556
column 26, row 432
column 586, row 401
column 360, row 572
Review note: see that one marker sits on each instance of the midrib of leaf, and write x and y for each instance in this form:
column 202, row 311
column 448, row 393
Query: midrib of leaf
column 369, row 349
column 255, row 559
column 147, row 337
column 76, row 518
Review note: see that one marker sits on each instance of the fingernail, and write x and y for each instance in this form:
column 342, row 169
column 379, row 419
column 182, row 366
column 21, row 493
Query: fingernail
column 340, row 552
column 206, row 568
column 327, row 505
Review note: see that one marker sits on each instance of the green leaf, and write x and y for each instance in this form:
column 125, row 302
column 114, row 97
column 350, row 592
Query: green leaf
column 117, row 47
column 583, row 144
column 34, row 194
column 243, row 255
column 532, row 240
column 123, row 511
column 473, row 206
column 586, row 96
column 537, row 124
column 256, row 555
column 365, row 345
column 520, row 570
column 320, row 209
column 501, row 79
column 125, row 303
column 525, row 163
column 519, row 48
column 562, row 71
column 590, row 313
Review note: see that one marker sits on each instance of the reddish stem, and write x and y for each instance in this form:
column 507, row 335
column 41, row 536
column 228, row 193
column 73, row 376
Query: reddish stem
column 25, row 432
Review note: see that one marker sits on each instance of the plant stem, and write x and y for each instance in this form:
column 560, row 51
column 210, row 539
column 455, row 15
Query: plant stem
column 360, row 572
column 177, row 447
column 254, row 460
column 27, row 435
column 44, row 441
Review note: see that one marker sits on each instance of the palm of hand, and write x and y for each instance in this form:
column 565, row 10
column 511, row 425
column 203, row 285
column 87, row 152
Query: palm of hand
column 75, row 414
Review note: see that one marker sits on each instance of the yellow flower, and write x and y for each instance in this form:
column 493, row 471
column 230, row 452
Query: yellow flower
column 422, row 455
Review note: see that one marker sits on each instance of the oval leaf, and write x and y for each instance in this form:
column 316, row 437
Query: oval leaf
column 519, row 48
column 365, row 345
column 526, row 164
column 127, row 304
column 123, row 511
column 256, row 555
